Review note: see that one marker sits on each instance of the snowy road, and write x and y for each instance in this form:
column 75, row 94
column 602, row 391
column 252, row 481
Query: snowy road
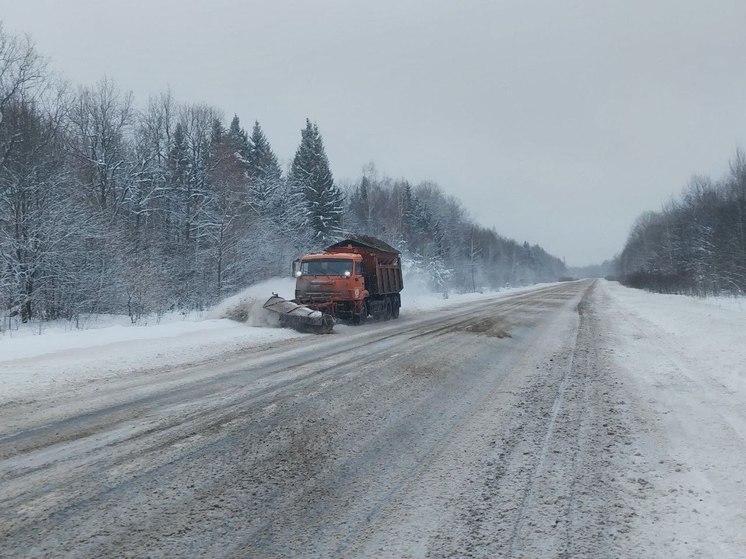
column 505, row 427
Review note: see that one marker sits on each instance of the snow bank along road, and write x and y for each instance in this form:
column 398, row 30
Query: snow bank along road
column 501, row 428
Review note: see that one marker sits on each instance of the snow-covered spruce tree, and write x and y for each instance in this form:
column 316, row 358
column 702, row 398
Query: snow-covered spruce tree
column 311, row 176
column 265, row 176
column 238, row 140
column 359, row 207
column 273, row 227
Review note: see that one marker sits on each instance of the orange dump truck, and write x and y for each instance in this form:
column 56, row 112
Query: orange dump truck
column 355, row 278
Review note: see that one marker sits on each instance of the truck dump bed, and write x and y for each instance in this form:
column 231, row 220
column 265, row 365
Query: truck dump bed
column 383, row 275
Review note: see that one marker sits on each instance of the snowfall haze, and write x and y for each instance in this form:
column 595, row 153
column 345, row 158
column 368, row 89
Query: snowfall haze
column 557, row 123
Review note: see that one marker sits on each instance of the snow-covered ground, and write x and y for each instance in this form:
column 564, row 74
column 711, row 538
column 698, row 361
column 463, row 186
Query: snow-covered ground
column 684, row 360
column 640, row 425
column 36, row 358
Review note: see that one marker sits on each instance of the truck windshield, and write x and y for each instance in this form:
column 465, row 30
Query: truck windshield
column 326, row 267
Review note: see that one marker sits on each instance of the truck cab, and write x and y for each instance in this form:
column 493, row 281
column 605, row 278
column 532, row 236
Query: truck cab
column 334, row 283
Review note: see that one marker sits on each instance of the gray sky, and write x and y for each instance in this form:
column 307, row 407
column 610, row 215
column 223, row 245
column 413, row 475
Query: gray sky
column 557, row 122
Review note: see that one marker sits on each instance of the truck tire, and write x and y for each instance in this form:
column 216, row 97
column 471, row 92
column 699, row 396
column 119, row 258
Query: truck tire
column 395, row 309
column 363, row 316
column 389, row 309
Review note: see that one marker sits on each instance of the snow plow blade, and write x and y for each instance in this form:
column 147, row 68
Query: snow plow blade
column 303, row 319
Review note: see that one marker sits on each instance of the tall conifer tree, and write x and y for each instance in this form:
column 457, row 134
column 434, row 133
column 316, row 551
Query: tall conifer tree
column 311, row 176
column 265, row 177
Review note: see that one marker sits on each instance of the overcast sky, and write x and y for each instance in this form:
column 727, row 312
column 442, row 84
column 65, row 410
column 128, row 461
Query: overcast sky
column 556, row 122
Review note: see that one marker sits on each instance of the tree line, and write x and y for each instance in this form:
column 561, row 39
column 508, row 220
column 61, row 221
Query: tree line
column 697, row 243
column 110, row 208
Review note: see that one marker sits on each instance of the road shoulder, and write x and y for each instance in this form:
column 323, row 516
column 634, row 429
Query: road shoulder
column 685, row 410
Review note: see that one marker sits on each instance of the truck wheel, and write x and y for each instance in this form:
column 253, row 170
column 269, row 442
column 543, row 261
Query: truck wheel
column 395, row 310
column 389, row 310
column 363, row 316
column 327, row 324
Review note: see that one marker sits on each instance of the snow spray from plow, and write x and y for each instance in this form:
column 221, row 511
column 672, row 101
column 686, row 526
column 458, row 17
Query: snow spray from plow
column 299, row 317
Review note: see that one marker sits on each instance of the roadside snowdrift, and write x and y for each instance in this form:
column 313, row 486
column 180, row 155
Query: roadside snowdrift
column 32, row 360
column 685, row 360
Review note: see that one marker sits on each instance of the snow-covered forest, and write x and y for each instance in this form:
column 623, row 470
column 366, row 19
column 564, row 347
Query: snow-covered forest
column 109, row 206
column 697, row 243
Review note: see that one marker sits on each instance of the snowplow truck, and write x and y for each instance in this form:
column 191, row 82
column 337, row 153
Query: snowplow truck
column 351, row 280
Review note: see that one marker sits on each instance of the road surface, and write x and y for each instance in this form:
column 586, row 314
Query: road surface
column 495, row 429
